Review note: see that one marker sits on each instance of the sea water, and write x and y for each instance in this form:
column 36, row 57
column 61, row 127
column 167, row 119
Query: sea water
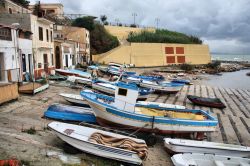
column 235, row 80
column 231, row 57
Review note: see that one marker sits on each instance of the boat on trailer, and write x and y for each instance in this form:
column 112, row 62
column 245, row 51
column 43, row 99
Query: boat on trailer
column 158, row 87
column 101, row 143
column 188, row 146
column 75, row 99
column 70, row 113
column 196, row 159
column 205, row 101
column 121, row 111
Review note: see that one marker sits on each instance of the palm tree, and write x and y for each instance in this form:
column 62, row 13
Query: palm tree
column 103, row 18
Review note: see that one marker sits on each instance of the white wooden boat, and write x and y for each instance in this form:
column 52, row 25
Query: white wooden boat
column 75, row 99
column 79, row 137
column 166, row 87
column 73, row 72
column 196, row 159
column 159, row 105
column 80, row 80
column 188, row 146
column 122, row 111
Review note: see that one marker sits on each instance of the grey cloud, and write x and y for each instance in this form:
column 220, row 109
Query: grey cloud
column 213, row 20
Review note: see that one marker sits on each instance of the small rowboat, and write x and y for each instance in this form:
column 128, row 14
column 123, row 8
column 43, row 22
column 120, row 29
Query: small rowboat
column 108, row 145
column 74, row 99
column 73, row 72
column 80, row 80
column 164, row 87
column 188, row 146
column 204, row 101
column 70, row 113
column 195, row 159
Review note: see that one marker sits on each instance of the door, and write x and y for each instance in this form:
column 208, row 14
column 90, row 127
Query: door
column 45, row 62
column 2, row 72
column 66, row 60
column 24, row 63
column 58, row 59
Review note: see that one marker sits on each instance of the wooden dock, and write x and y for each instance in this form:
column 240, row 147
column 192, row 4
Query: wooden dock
column 234, row 121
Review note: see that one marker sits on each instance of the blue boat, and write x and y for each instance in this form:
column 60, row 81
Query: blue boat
column 123, row 111
column 70, row 113
column 181, row 81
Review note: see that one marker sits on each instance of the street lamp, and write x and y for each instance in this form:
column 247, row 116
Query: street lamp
column 134, row 15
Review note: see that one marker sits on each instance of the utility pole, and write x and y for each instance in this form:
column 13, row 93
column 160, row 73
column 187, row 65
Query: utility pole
column 134, row 15
column 157, row 20
column 117, row 21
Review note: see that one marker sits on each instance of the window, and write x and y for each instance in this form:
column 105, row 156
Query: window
column 122, row 92
column 10, row 10
column 52, row 59
column 39, row 65
column 51, row 37
column 181, row 59
column 40, row 33
column 170, row 59
column 5, row 34
column 47, row 35
column 179, row 50
column 169, row 50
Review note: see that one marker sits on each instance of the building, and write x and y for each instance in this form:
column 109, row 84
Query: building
column 50, row 9
column 7, row 6
column 42, row 41
column 152, row 54
column 68, row 34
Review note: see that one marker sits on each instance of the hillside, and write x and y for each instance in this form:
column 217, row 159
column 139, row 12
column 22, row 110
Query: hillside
column 163, row 36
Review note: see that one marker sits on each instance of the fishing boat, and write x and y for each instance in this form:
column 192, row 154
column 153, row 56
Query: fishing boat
column 195, row 159
column 162, row 87
column 57, row 77
column 75, row 99
column 147, row 78
column 181, row 81
column 73, row 72
column 121, row 111
column 164, row 106
column 188, row 146
column 109, row 88
column 205, row 101
column 80, row 80
column 70, row 113
column 101, row 143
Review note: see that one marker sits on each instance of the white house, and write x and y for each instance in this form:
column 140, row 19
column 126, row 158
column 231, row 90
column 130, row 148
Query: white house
column 11, row 49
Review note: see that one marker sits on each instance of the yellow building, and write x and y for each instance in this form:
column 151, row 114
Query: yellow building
column 152, row 54
column 50, row 8
column 7, row 6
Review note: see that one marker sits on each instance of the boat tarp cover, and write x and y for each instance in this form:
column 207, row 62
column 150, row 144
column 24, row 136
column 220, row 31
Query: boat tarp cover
column 123, row 143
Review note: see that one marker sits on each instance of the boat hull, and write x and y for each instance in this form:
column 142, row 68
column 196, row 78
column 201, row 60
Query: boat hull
column 76, row 101
column 163, row 89
column 174, row 148
column 200, row 102
column 70, row 113
column 197, row 159
column 99, row 150
column 111, row 118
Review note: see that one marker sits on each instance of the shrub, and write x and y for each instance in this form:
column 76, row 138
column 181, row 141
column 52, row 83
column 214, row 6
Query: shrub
column 186, row 67
column 214, row 65
column 163, row 36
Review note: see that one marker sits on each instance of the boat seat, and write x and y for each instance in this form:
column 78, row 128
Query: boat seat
column 170, row 114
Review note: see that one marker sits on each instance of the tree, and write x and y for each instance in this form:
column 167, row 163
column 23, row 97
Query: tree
column 23, row 3
column 38, row 10
column 103, row 18
column 84, row 22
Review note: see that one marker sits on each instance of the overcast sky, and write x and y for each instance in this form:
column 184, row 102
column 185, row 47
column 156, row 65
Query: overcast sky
column 223, row 24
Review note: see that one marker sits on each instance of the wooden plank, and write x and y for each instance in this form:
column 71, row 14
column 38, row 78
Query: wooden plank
column 239, row 105
column 246, row 123
column 229, row 130
column 240, row 130
column 197, row 92
column 243, row 101
column 222, row 129
column 231, row 107
column 216, row 136
column 182, row 96
column 212, row 94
